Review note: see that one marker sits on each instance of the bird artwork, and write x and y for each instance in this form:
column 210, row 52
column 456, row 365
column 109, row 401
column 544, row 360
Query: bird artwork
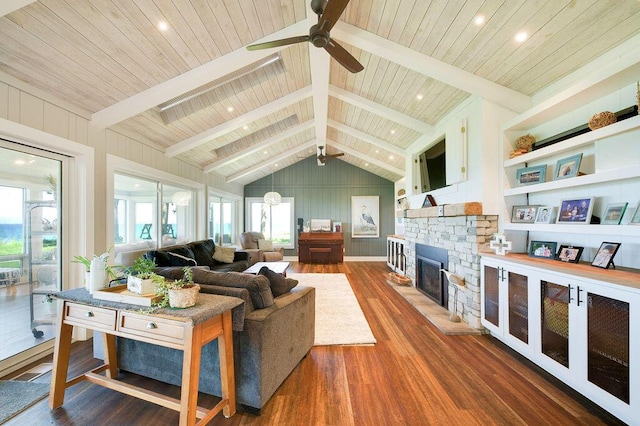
column 366, row 219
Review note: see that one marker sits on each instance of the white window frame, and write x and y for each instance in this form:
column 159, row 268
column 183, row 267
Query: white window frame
column 249, row 201
column 236, row 213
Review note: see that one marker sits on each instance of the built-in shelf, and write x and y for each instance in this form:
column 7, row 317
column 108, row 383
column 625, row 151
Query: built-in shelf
column 620, row 127
column 629, row 230
column 594, row 178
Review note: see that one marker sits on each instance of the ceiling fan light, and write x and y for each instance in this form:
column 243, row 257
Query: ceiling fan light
column 272, row 198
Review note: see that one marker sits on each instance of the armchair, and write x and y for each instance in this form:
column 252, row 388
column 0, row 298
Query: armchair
column 260, row 249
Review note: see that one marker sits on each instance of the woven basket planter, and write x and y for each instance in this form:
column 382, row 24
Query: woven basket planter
column 602, row 119
column 398, row 279
column 183, row 297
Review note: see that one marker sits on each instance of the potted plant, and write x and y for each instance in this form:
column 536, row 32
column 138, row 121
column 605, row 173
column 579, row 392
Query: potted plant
column 99, row 278
column 181, row 293
column 142, row 279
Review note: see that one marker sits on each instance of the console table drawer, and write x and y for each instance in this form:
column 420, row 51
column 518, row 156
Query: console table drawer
column 89, row 316
column 151, row 327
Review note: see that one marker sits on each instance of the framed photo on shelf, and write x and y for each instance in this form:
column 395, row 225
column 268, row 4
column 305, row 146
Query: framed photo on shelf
column 613, row 213
column 567, row 167
column 544, row 249
column 524, row 214
column 575, row 210
column 635, row 219
column 569, row 253
column 546, row 214
column 531, row 175
column 604, row 255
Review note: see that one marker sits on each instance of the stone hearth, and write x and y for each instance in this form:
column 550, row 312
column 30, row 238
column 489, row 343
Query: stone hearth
column 463, row 231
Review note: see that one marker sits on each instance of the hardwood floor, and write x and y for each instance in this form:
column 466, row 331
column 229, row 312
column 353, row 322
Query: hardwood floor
column 414, row 375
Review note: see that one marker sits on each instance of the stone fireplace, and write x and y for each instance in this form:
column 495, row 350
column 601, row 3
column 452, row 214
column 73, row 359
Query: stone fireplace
column 430, row 280
column 462, row 231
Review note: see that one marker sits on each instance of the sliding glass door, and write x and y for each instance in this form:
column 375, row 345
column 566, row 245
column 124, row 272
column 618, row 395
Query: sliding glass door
column 30, row 245
column 222, row 220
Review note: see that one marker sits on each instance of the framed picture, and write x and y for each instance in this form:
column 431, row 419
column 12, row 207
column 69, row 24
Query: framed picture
column 569, row 253
column 524, row 214
column 567, row 167
column 635, row 219
column 613, row 213
column 575, row 210
column 365, row 216
column 337, row 226
column 531, row 175
column 544, row 249
column 546, row 214
column 604, row 255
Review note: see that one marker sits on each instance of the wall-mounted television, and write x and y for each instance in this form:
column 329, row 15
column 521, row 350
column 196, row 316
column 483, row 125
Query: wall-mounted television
column 433, row 167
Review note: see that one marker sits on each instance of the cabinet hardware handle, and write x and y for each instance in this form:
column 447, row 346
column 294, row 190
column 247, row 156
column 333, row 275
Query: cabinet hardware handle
column 578, row 300
column 570, row 288
column 89, row 314
column 152, row 325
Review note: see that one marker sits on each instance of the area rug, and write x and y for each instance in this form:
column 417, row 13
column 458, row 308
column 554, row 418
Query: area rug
column 339, row 318
column 17, row 396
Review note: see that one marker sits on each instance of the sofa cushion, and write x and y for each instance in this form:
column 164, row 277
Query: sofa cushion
column 203, row 251
column 279, row 283
column 224, row 254
column 265, row 245
column 258, row 285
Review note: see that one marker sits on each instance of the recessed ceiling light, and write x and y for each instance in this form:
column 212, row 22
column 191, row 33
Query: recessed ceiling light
column 265, row 152
column 163, row 26
column 366, row 164
column 479, row 20
column 377, row 151
column 19, row 162
column 521, row 37
column 393, row 132
column 419, row 96
column 391, row 157
column 230, row 109
column 246, row 127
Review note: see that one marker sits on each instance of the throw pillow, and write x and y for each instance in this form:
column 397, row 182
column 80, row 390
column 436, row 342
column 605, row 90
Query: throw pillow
column 279, row 283
column 257, row 285
column 265, row 245
column 224, row 254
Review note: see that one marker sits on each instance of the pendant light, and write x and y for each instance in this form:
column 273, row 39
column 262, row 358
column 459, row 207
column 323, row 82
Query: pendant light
column 272, row 198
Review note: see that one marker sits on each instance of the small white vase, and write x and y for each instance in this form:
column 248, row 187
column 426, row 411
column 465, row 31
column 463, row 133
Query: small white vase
column 98, row 275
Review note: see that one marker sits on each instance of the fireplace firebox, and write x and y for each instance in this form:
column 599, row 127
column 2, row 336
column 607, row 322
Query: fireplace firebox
column 429, row 278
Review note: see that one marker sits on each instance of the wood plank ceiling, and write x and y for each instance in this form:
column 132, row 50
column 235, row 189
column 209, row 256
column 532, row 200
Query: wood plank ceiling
column 108, row 59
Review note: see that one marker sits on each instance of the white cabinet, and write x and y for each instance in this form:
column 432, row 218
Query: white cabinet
column 506, row 301
column 396, row 258
column 579, row 325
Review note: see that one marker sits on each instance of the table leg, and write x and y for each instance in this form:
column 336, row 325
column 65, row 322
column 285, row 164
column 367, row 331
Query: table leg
column 110, row 357
column 227, row 372
column 60, row 366
column 190, row 376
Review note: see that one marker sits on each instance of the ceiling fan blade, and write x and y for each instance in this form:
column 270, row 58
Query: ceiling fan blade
column 340, row 154
column 345, row 58
column 332, row 13
column 277, row 43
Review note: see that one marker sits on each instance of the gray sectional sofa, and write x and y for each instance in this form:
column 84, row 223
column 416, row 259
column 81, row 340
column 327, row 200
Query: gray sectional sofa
column 277, row 332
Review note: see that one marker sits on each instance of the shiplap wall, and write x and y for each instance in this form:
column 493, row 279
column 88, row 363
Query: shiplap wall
column 325, row 193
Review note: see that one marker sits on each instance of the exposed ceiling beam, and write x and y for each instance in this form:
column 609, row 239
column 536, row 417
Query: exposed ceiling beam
column 366, row 137
column 231, row 125
column 381, row 110
column 361, row 156
column 431, row 67
column 190, row 80
column 6, row 7
column 259, row 146
column 287, row 154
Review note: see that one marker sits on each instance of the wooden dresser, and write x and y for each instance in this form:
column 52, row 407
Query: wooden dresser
column 320, row 247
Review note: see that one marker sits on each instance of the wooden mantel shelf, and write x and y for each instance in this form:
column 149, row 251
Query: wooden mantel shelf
column 459, row 209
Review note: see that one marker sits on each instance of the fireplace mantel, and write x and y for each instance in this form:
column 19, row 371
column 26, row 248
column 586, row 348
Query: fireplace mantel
column 447, row 210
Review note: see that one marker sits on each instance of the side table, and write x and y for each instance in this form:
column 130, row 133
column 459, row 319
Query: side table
column 186, row 329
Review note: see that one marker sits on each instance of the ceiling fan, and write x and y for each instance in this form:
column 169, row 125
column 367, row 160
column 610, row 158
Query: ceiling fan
column 328, row 12
column 324, row 158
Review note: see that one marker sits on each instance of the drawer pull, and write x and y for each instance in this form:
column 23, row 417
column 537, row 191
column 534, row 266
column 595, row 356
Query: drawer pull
column 152, row 325
column 89, row 314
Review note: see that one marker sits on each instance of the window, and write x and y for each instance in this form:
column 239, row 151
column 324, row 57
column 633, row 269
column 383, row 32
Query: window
column 276, row 223
column 152, row 211
column 222, row 220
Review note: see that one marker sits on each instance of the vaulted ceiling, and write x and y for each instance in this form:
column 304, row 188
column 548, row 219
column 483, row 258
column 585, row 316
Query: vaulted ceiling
column 195, row 92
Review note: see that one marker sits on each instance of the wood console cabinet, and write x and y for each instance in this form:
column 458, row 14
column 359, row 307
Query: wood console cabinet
column 573, row 320
column 320, row 247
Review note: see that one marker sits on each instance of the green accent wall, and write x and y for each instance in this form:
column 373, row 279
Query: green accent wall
column 324, row 192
